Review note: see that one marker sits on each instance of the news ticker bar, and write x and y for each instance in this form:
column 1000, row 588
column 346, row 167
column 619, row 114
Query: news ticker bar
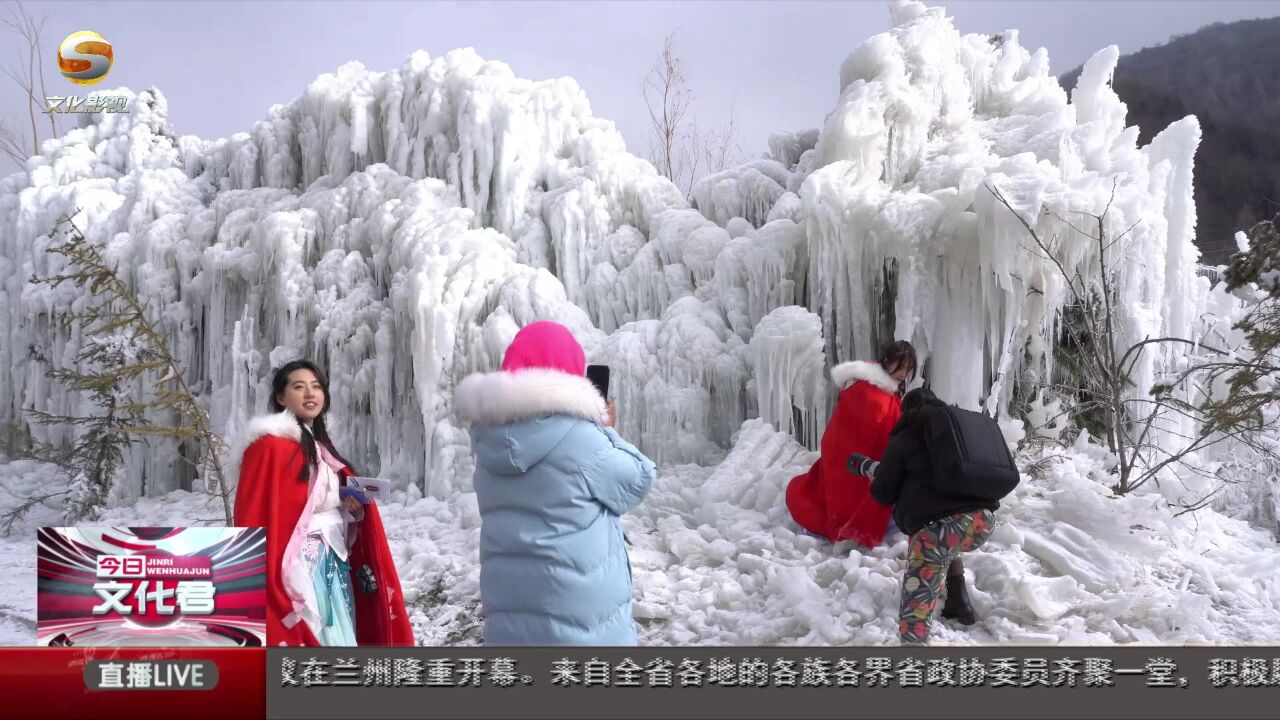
column 743, row 682
column 704, row 682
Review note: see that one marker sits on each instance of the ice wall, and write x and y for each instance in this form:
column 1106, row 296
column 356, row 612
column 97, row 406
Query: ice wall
column 307, row 238
column 400, row 226
column 901, row 218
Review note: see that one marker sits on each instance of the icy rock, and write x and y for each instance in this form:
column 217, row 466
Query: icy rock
column 1072, row 552
column 1007, row 534
column 1026, row 637
column 787, row 147
column 1048, row 599
column 748, row 192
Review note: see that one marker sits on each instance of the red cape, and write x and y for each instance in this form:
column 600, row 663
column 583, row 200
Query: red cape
column 831, row 501
column 271, row 496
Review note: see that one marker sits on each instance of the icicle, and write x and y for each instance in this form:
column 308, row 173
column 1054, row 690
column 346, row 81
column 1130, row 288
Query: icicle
column 789, row 366
column 401, row 226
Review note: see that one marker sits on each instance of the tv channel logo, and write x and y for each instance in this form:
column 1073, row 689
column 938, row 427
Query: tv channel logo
column 85, row 57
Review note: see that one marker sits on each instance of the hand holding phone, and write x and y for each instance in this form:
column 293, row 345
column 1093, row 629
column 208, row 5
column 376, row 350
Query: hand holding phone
column 599, row 376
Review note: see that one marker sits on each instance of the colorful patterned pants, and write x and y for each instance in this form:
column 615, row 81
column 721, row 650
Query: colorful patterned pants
column 928, row 556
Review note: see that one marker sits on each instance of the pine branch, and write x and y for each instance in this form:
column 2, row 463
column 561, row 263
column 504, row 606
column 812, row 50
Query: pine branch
column 15, row 515
column 168, row 431
column 126, row 348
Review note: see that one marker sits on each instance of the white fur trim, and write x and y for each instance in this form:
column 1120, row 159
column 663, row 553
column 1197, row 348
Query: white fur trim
column 845, row 374
column 501, row 398
column 281, row 424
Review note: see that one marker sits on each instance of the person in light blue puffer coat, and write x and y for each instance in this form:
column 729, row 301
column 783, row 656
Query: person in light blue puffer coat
column 551, row 481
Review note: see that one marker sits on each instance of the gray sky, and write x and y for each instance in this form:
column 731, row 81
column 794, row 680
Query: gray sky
column 223, row 64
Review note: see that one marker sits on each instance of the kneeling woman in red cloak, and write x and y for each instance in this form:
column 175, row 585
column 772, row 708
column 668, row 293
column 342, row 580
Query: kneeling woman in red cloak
column 829, row 500
column 330, row 575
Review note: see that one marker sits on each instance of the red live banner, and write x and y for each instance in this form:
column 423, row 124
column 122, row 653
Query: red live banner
column 132, row 682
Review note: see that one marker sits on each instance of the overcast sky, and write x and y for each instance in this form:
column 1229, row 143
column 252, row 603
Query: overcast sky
column 223, row 64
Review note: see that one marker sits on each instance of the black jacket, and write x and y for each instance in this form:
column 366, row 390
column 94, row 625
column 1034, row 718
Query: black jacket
column 904, row 479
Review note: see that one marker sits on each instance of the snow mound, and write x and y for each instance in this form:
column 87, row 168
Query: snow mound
column 717, row 561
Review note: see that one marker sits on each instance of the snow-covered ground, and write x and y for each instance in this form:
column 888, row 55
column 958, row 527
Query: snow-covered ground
column 717, row 561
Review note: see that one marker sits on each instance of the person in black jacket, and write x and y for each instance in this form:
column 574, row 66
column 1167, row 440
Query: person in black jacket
column 941, row 526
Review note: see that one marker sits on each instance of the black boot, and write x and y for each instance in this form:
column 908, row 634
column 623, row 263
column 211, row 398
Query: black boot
column 957, row 606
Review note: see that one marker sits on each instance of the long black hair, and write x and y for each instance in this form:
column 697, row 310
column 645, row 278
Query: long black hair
column 279, row 382
column 898, row 352
column 913, row 403
column 895, row 354
column 917, row 399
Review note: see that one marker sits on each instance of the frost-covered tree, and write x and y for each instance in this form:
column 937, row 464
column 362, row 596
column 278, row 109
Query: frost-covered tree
column 1150, row 431
column 126, row 370
column 94, row 462
column 1254, row 380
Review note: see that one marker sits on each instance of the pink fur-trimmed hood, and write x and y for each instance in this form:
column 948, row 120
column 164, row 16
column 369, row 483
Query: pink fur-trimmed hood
column 846, row 374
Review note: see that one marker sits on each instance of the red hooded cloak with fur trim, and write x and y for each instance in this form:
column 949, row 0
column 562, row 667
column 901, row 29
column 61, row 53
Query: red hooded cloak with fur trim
column 829, row 500
column 270, row 495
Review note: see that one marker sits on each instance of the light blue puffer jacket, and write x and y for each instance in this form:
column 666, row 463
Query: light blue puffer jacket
column 551, row 485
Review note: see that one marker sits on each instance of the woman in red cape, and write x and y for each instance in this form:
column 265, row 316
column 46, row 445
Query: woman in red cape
column 322, row 543
column 829, row 500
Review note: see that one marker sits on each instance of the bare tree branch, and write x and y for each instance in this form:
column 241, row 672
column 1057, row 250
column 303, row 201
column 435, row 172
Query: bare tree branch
column 28, row 77
column 1122, row 235
column 44, row 92
column 1204, row 502
column 667, row 98
column 11, row 145
column 1034, row 236
column 1138, row 428
column 679, row 147
column 1149, row 341
column 1069, row 224
column 720, row 148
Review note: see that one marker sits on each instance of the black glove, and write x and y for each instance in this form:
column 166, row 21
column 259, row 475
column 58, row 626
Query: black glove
column 860, row 464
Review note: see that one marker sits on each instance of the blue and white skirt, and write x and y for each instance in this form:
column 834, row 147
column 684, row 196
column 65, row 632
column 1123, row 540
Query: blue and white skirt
column 332, row 579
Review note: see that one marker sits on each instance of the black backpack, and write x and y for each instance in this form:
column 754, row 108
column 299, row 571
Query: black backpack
column 968, row 454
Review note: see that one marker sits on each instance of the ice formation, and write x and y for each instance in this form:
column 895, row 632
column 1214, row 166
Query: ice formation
column 399, row 227
column 787, row 360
